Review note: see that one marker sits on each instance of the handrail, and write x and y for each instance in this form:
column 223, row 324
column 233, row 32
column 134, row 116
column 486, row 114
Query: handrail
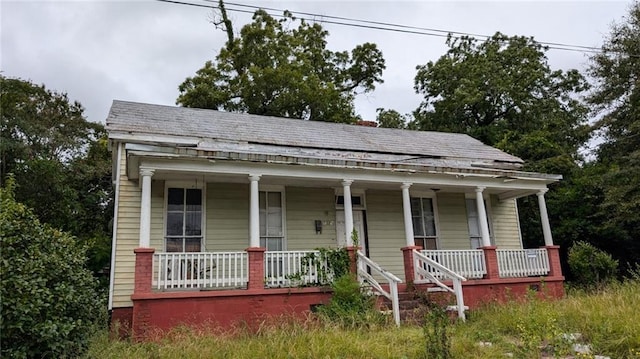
column 363, row 274
column 421, row 261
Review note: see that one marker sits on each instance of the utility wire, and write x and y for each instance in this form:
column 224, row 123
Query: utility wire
column 376, row 25
column 402, row 26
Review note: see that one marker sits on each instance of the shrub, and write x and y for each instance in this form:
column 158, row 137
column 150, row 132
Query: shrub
column 437, row 333
column 50, row 304
column 350, row 304
column 590, row 265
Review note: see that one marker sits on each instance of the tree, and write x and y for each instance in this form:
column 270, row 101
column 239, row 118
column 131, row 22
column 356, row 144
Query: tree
column 272, row 69
column 616, row 104
column 390, row 119
column 38, row 124
column 50, row 302
column 60, row 162
column 503, row 92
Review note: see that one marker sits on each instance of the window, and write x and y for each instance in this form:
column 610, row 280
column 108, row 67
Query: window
column 271, row 227
column 475, row 234
column 424, row 223
column 356, row 201
column 184, row 220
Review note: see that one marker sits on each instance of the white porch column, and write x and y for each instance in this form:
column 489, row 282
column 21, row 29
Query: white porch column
column 254, row 212
column 544, row 218
column 408, row 219
column 348, row 211
column 145, row 208
column 482, row 218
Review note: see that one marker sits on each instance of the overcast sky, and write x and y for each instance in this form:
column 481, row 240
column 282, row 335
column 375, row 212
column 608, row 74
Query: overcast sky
column 98, row 51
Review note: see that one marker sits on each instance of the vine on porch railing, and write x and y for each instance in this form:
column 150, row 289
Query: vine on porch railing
column 329, row 263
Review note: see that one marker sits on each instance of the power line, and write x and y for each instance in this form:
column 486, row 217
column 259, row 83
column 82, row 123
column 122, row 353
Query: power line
column 376, row 25
column 402, row 26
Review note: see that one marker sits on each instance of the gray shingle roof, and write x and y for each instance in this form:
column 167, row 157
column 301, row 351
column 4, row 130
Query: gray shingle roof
column 146, row 119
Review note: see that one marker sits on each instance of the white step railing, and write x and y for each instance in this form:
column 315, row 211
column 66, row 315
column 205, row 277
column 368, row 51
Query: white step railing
column 192, row 270
column 522, row 262
column 467, row 263
column 427, row 270
column 366, row 269
column 295, row 268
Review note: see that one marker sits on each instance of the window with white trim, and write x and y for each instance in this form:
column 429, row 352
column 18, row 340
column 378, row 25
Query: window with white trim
column 184, row 220
column 271, row 221
column 424, row 223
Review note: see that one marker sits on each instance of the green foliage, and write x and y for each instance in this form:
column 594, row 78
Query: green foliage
column 273, row 68
column 503, row 92
column 390, row 119
column 616, row 106
column 329, row 263
column 437, row 333
column 591, row 266
column 351, row 305
column 50, row 303
column 60, row 162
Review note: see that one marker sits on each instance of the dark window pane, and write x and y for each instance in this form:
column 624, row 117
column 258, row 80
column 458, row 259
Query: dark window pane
column 194, row 200
column 174, row 244
column 340, row 200
column 415, row 207
column 174, row 224
column 192, row 244
column 356, row 201
column 193, row 225
column 175, row 199
column 418, row 228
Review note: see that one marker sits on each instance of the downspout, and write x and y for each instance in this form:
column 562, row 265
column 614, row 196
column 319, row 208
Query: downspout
column 112, row 271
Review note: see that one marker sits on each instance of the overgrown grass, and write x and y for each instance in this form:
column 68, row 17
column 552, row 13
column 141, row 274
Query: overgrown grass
column 609, row 320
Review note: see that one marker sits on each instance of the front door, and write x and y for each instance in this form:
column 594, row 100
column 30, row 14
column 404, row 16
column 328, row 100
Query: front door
column 358, row 225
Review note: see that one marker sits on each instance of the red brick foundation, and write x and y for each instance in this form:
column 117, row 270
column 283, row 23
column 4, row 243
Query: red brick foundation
column 120, row 322
column 163, row 311
column 479, row 292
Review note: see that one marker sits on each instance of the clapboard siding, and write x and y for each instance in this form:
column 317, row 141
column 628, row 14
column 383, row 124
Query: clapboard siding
column 505, row 223
column 452, row 221
column 227, row 213
column 303, row 207
column 385, row 227
column 127, row 237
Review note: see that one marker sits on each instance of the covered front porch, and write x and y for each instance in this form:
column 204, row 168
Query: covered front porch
column 288, row 215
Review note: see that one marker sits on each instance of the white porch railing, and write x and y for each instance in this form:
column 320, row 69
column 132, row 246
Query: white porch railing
column 187, row 270
column 467, row 263
column 366, row 266
column 295, row 268
column 427, row 270
column 522, row 262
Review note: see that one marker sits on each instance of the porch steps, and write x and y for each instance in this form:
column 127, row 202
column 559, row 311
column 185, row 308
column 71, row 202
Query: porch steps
column 414, row 305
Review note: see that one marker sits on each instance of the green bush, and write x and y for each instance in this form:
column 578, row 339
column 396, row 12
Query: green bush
column 350, row 304
column 437, row 333
column 50, row 303
column 591, row 266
